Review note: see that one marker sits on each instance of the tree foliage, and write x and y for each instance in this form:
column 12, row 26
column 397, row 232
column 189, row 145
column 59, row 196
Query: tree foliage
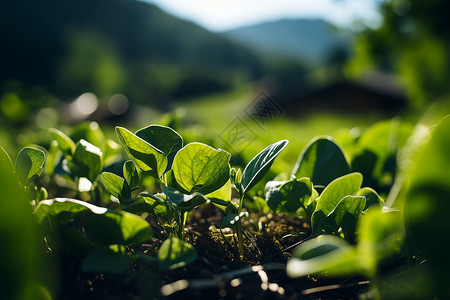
column 413, row 40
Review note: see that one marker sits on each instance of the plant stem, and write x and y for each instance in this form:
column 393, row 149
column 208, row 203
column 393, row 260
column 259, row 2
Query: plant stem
column 183, row 225
column 239, row 227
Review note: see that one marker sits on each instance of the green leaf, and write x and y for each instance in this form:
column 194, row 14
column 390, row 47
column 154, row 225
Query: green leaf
column 29, row 164
column 345, row 216
column 65, row 209
column 377, row 161
column 200, row 168
column 175, row 253
column 325, row 254
column 103, row 226
column 260, row 164
column 288, row 196
column 107, row 261
column 183, row 201
column 163, row 138
column 380, row 235
column 322, row 160
column 222, row 195
column 111, row 152
column 116, row 185
column 347, row 213
column 148, row 158
column 427, row 204
column 154, row 204
column 372, row 197
column 346, row 185
column 131, row 174
column 89, row 131
column 117, row 227
column 86, row 161
column 65, row 143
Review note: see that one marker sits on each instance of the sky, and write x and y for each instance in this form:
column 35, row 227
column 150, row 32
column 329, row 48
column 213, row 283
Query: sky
column 220, row 15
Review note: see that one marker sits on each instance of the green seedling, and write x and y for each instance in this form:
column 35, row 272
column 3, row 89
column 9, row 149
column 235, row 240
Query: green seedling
column 28, row 167
column 379, row 236
column 82, row 160
column 334, row 204
column 119, row 187
column 97, row 234
column 185, row 174
column 322, row 160
column 253, row 172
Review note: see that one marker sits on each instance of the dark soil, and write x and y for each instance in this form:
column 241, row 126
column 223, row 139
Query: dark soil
column 218, row 272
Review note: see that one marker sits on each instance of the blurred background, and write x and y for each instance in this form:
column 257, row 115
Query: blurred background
column 197, row 65
column 235, row 74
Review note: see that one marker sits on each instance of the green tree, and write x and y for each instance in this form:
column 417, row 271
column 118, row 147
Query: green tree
column 413, row 41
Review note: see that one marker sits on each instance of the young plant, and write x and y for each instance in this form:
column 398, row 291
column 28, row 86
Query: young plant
column 28, row 168
column 380, row 236
column 334, row 204
column 186, row 174
column 119, row 187
column 253, row 172
column 82, row 161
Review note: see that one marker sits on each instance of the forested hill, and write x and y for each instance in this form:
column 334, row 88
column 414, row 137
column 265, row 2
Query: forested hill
column 68, row 47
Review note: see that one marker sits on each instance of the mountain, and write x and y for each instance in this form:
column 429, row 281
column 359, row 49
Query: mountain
column 68, row 47
column 311, row 41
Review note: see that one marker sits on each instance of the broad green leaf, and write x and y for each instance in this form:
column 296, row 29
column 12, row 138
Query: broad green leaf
column 345, row 217
column 372, row 197
column 427, row 204
column 343, row 186
column 183, row 201
column 346, row 185
column 376, row 153
column 154, row 204
column 65, row 209
column 380, row 235
column 256, row 169
column 117, row 227
column 19, row 259
column 347, row 213
column 322, row 160
column 175, row 253
column 116, row 185
column 65, row 143
column 111, row 152
column 163, row 138
column 105, row 260
column 200, row 168
column 86, row 161
column 130, row 174
column 325, row 254
column 288, row 196
column 89, row 131
column 312, row 204
column 389, row 136
column 222, row 195
column 29, row 164
column 159, row 206
column 148, row 158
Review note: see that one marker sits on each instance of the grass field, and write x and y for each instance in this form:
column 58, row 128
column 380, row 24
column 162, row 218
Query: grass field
column 208, row 118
